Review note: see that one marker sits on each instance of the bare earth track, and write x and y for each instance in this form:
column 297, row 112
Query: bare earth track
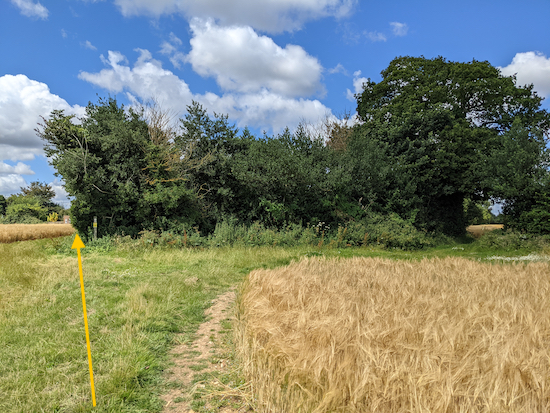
column 188, row 355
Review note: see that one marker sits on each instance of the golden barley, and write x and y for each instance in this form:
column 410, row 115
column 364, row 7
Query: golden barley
column 375, row 335
column 25, row 232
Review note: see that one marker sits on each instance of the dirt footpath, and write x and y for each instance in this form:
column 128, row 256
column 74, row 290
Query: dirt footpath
column 197, row 354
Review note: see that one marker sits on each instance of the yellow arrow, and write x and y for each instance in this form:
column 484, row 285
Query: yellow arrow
column 77, row 244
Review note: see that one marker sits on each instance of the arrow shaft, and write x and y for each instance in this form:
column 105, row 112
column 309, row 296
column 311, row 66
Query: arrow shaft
column 86, row 325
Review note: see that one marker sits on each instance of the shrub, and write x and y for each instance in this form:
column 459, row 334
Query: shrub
column 513, row 240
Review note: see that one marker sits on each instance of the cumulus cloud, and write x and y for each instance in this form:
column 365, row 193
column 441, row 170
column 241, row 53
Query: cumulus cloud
column 375, row 36
column 22, row 102
column 357, row 85
column 147, row 79
column 399, row 29
column 338, row 69
column 88, row 45
column 30, row 9
column 20, row 169
column 11, row 183
column 266, row 15
column 530, row 67
column 170, row 49
column 265, row 110
column 10, row 177
column 245, row 62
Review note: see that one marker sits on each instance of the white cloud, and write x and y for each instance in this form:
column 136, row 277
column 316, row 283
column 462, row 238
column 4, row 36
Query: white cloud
column 375, row 36
column 88, row 45
column 147, row 79
column 338, row 69
column 30, row 9
column 11, row 184
column 399, row 29
column 63, row 33
column 175, row 39
column 265, row 15
column 170, row 49
column 357, row 86
column 242, row 61
column 22, row 102
column 530, row 67
column 20, row 169
column 265, row 110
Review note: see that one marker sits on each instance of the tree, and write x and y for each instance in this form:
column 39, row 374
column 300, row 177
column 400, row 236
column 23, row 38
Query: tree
column 24, row 209
column 42, row 191
column 213, row 144
column 3, row 205
column 439, row 122
column 286, row 179
column 120, row 168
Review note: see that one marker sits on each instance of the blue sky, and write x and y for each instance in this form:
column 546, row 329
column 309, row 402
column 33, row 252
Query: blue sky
column 266, row 63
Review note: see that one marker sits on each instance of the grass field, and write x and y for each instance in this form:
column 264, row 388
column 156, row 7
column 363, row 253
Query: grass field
column 378, row 335
column 139, row 298
column 26, row 232
column 137, row 301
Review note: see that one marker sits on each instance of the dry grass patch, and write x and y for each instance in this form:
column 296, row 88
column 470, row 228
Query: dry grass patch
column 26, row 232
column 375, row 335
column 478, row 230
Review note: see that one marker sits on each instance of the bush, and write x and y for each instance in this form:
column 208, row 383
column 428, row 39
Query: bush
column 25, row 213
column 388, row 231
column 513, row 240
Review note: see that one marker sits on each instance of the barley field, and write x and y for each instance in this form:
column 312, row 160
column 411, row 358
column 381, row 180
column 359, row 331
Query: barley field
column 478, row 230
column 377, row 335
column 26, row 232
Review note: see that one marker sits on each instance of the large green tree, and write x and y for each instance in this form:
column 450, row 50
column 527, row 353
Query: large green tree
column 287, row 176
column 120, row 168
column 436, row 123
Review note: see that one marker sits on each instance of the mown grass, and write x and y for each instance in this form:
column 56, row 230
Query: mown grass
column 137, row 299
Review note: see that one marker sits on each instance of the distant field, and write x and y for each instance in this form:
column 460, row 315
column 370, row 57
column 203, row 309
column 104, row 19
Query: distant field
column 26, row 232
column 379, row 335
column 478, row 230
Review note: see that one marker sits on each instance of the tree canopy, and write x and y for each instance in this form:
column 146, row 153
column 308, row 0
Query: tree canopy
column 434, row 142
column 439, row 123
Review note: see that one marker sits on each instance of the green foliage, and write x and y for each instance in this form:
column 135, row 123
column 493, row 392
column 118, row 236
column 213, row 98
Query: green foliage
column 476, row 213
column 39, row 190
column 388, row 231
column 511, row 240
column 31, row 206
column 3, row 205
column 121, row 168
column 23, row 209
column 285, row 178
column 434, row 142
column 519, row 174
column 439, row 122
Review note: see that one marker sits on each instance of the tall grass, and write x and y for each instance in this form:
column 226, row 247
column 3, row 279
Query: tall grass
column 137, row 301
column 26, row 232
column 375, row 335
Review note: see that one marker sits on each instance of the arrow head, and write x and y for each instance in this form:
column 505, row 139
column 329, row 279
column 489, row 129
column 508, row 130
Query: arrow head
column 77, row 243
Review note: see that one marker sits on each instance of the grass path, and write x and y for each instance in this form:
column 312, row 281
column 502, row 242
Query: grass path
column 202, row 354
